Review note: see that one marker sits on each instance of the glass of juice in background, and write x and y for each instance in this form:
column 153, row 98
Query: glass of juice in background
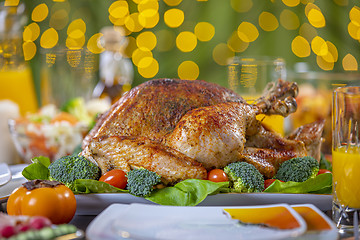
column 16, row 81
column 346, row 158
column 249, row 76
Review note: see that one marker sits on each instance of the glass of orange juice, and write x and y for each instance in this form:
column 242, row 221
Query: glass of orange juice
column 346, row 158
column 249, row 76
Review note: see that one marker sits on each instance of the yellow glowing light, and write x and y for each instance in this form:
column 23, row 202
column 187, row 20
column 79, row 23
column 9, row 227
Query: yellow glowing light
column 75, row 43
column 324, row 65
column 174, row 17
column 291, row 3
column 49, row 38
column 241, row 6
column 172, row 3
column 40, row 12
column 146, row 40
column 204, row 31
column 131, row 47
column 139, row 54
column 349, row 63
column 94, row 45
column 148, row 67
column 268, row 21
column 235, row 44
column 300, row 47
column 309, row 7
column 354, row 31
column 119, row 9
column 319, row 46
column 355, row 15
column 186, row 41
column 76, row 28
column 148, row 4
column 132, row 23
column 59, row 19
column 31, row 32
column 166, row 40
column 289, row 20
column 149, row 20
column 11, row 3
column 316, row 18
column 222, row 54
column 29, row 50
column 188, row 70
column 247, row 32
column 308, row 32
column 332, row 55
column 117, row 21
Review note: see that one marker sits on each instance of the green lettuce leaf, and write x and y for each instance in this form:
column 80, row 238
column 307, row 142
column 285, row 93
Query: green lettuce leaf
column 189, row 192
column 38, row 169
column 320, row 184
column 93, row 186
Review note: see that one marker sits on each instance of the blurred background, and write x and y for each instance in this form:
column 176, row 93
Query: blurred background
column 96, row 48
column 195, row 39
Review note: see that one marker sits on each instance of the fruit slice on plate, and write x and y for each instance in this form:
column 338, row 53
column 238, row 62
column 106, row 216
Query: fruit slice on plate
column 280, row 217
column 315, row 220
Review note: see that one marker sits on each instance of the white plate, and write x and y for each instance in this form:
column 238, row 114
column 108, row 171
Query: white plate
column 16, row 180
column 93, row 204
column 144, row 221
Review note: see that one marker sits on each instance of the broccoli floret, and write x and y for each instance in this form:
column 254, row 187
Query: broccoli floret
column 69, row 168
column 298, row 169
column 244, row 177
column 141, row 181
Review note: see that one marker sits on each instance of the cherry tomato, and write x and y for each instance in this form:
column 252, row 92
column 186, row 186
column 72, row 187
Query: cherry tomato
column 217, row 175
column 321, row 171
column 268, row 182
column 57, row 203
column 115, row 177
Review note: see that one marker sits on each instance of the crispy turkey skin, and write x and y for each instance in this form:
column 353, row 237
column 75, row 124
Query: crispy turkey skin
column 182, row 128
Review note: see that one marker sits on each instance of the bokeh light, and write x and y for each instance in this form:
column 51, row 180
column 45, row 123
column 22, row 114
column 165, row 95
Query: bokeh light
column 235, row 44
column 148, row 67
column 289, row 20
column 300, row 47
column 49, row 38
column 94, row 45
column 188, row 70
column 29, row 50
column 40, row 12
column 247, row 32
column 204, row 31
column 291, row 3
column 31, row 32
column 349, row 63
column 268, row 21
column 222, row 54
column 186, row 41
column 146, row 40
column 174, row 17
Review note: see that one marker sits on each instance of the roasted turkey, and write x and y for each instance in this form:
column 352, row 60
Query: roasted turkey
column 180, row 129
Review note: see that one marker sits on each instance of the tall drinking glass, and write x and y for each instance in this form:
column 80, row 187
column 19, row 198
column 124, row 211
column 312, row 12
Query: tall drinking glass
column 249, row 76
column 346, row 158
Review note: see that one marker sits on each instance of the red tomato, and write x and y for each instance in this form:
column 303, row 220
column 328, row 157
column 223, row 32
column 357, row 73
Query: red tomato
column 321, row 171
column 217, row 175
column 115, row 177
column 268, row 182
